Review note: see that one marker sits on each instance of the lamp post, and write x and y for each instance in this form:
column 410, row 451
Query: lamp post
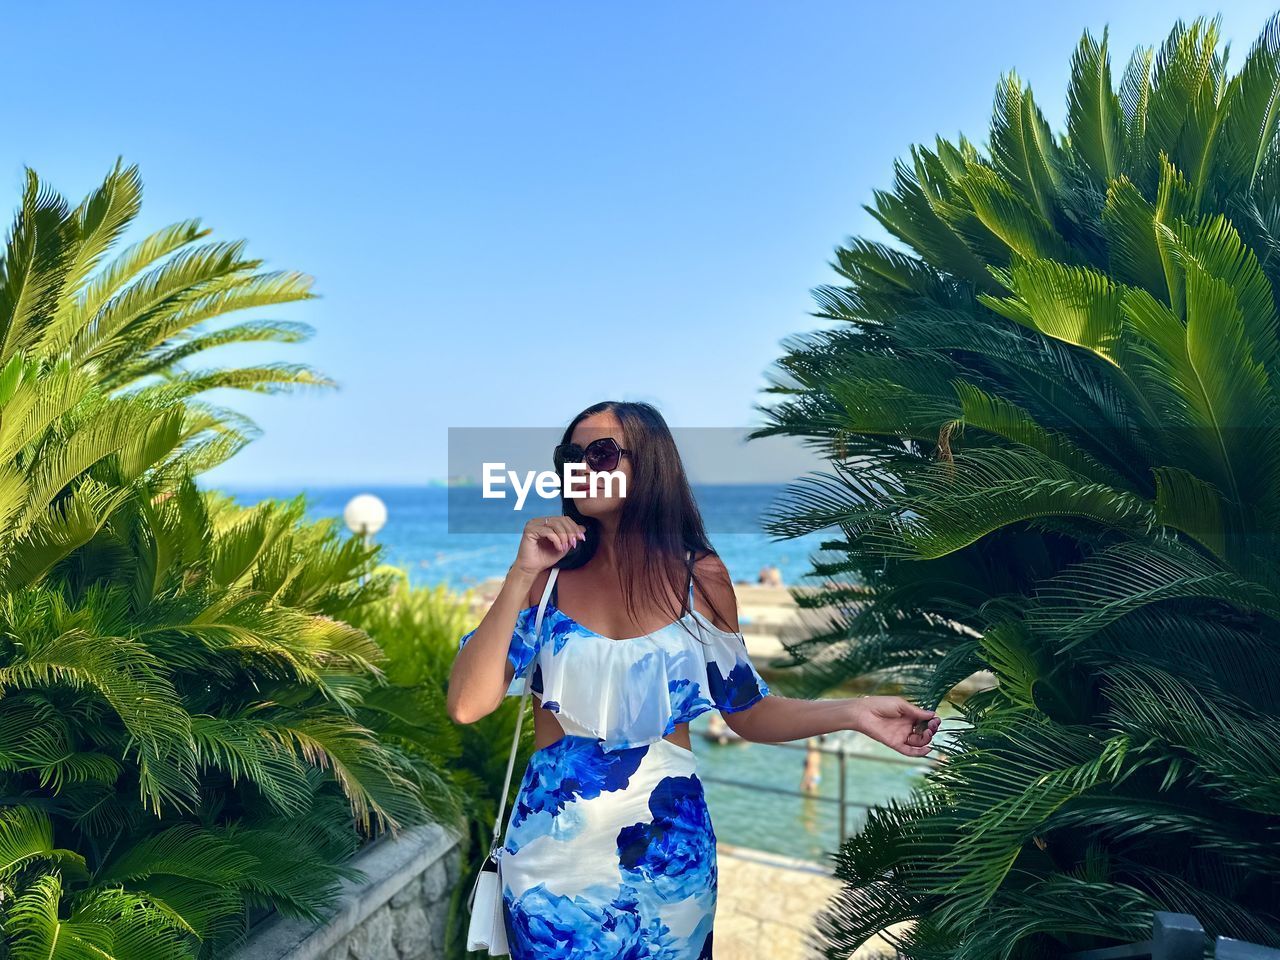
column 365, row 515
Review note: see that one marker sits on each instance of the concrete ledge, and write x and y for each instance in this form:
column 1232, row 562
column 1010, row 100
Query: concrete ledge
column 767, row 858
column 388, row 916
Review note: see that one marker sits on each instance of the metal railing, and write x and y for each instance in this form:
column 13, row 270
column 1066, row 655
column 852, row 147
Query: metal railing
column 843, row 756
column 1179, row 936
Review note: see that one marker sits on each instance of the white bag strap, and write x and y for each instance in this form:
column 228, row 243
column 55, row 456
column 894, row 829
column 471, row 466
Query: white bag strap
column 528, row 682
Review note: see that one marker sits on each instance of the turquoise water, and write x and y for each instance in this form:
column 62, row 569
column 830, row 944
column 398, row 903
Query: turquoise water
column 417, row 538
column 417, row 535
column 800, row 825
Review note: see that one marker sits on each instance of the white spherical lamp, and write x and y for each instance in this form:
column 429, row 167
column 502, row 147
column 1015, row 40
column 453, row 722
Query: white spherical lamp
column 365, row 514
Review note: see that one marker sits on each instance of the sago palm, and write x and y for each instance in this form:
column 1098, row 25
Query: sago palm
column 418, row 629
column 1050, row 403
column 186, row 716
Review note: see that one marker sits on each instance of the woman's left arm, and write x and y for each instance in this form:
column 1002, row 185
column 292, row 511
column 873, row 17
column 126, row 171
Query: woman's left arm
column 893, row 721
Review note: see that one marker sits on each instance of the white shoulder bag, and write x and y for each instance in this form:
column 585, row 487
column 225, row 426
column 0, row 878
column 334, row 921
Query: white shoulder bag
column 487, row 930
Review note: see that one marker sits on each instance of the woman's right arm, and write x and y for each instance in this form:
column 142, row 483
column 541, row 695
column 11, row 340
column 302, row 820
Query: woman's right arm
column 482, row 670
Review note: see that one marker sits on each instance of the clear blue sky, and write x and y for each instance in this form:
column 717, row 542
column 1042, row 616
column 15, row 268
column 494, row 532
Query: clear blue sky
column 513, row 210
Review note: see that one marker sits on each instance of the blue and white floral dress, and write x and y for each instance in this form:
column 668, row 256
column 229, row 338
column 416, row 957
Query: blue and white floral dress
column 610, row 851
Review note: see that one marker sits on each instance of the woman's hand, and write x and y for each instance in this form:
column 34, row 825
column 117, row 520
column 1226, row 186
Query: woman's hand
column 897, row 723
column 545, row 541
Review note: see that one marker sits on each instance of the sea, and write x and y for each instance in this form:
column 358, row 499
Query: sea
column 446, row 535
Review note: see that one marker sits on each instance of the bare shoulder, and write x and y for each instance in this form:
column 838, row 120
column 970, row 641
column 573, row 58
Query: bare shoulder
column 713, row 592
column 535, row 589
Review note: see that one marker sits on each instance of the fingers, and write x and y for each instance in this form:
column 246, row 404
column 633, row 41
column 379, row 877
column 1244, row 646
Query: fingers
column 560, row 530
column 539, row 528
column 557, row 534
column 916, row 713
column 571, row 532
column 926, row 727
column 917, row 743
column 922, row 735
column 927, row 730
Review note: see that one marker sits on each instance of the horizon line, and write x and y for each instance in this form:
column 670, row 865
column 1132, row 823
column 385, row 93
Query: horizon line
column 439, row 485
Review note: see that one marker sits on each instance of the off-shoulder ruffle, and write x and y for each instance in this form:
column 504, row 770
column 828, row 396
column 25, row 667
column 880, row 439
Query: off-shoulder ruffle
column 520, row 651
column 630, row 692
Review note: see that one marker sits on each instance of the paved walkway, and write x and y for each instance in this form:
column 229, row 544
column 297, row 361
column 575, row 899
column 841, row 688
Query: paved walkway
column 766, row 903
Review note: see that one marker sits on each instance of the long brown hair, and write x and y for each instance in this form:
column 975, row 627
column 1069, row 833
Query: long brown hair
column 660, row 520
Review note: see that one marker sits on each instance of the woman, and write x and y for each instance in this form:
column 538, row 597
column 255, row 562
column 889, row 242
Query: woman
column 610, row 851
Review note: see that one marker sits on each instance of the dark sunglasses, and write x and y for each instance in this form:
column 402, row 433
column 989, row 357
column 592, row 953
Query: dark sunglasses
column 602, row 454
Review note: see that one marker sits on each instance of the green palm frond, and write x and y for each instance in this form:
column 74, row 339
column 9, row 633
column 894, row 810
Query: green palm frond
column 1095, row 121
column 192, row 726
column 33, row 268
column 1050, row 414
column 26, row 835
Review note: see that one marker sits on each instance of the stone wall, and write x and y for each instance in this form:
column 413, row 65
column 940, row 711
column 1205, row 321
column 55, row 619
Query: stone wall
column 398, row 913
